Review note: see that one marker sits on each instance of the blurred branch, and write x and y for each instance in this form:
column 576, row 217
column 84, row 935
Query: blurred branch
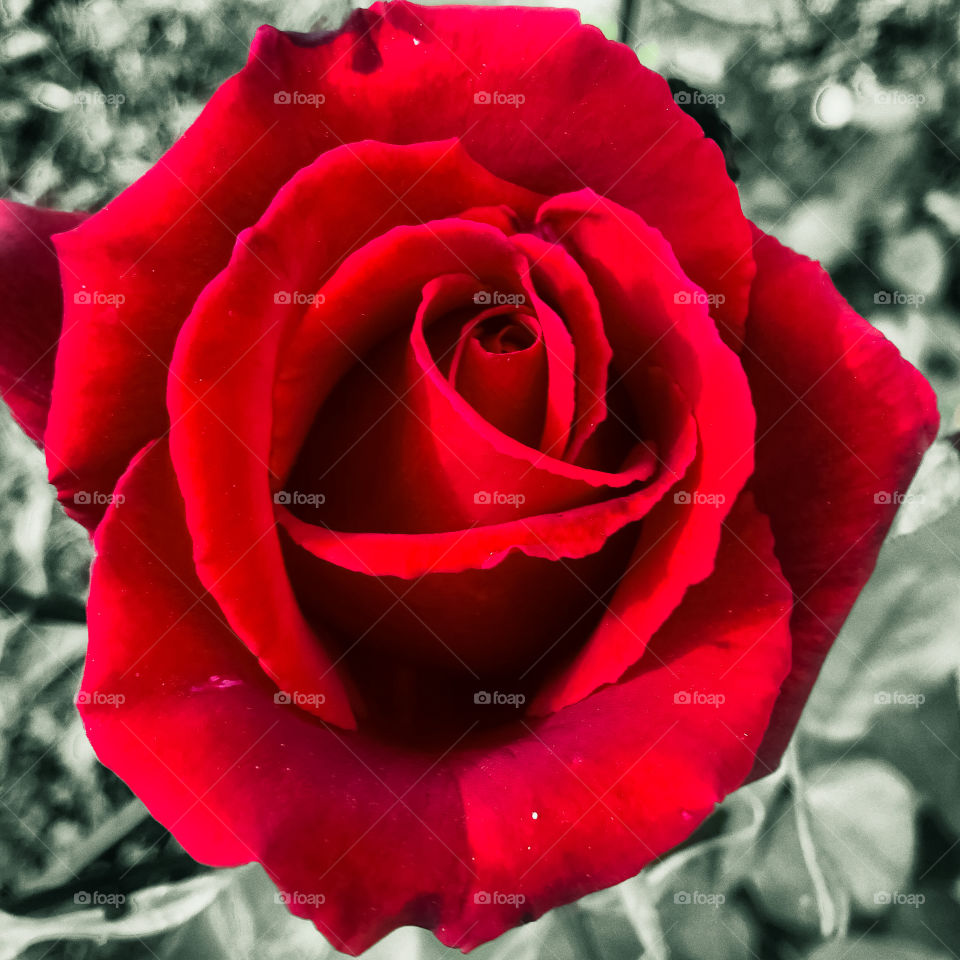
column 628, row 10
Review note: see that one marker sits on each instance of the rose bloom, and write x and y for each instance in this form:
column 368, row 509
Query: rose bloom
column 475, row 491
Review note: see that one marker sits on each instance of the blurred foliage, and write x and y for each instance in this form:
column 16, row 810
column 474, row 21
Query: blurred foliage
column 92, row 93
column 846, row 130
column 844, row 123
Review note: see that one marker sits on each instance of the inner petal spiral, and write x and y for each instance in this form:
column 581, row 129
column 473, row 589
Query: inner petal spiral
column 499, row 367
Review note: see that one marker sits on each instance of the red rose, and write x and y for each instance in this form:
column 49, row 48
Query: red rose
column 475, row 492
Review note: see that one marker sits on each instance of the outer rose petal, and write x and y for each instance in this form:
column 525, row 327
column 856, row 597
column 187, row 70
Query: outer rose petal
column 626, row 774
column 219, row 442
column 116, row 357
column 399, row 73
column 233, row 774
column 32, row 309
column 225, row 431
column 614, row 780
column 842, row 421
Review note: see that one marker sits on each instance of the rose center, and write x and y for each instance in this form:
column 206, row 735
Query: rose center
column 504, row 335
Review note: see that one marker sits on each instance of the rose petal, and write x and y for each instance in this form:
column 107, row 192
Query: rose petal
column 417, row 650
column 506, row 386
column 654, row 315
column 584, row 113
column 402, row 409
column 32, row 309
column 561, row 282
column 366, row 519
column 585, row 798
column 229, row 764
column 842, row 421
column 219, row 443
column 547, row 812
column 161, row 241
column 330, row 330
column 492, row 356
column 223, row 430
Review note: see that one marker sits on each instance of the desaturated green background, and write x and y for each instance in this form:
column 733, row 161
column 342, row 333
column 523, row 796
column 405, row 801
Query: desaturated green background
column 845, row 120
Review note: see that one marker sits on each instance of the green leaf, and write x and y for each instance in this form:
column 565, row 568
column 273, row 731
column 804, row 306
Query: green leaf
column 248, row 919
column 935, row 489
column 800, row 889
column 864, row 813
column 888, row 687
